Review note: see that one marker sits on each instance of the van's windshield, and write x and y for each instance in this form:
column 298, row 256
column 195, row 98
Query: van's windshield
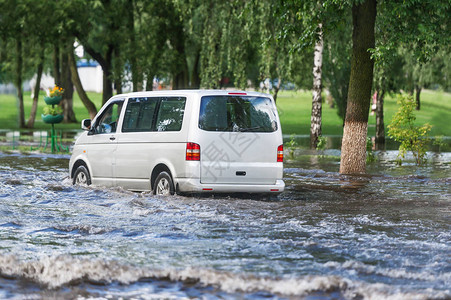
column 237, row 113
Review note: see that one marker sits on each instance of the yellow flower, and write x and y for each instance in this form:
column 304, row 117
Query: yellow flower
column 56, row 91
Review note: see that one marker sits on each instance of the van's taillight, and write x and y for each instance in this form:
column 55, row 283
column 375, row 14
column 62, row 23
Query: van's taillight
column 280, row 153
column 192, row 151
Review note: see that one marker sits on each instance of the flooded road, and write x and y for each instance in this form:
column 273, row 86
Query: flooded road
column 384, row 235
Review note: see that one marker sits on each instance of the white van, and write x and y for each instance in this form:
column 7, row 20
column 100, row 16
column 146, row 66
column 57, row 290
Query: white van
column 185, row 141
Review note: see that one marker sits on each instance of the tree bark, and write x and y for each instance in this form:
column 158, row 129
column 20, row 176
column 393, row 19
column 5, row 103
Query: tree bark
column 353, row 151
column 107, row 74
column 132, row 46
column 380, row 128
column 79, row 87
column 180, row 78
column 19, row 82
column 68, row 95
column 34, row 107
column 195, row 74
column 417, row 96
column 56, row 65
column 180, row 73
column 118, row 67
column 315, row 121
column 277, row 89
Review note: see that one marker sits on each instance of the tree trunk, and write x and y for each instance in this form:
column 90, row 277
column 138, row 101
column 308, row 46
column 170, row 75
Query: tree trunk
column 19, row 82
column 380, row 129
column 34, row 107
column 118, row 67
column 118, row 86
column 277, row 89
column 353, row 151
column 68, row 95
column 195, row 74
column 315, row 121
column 149, row 81
column 106, row 63
column 417, row 96
column 180, row 78
column 56, row 65
column 136, row 78
column 107, row 82
column 180, row 73
column 79, row 87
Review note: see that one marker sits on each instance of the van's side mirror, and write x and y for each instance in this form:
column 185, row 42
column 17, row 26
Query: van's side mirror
column 86, row 124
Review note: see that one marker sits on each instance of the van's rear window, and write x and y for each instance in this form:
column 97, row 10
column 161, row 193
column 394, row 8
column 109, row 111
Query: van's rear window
column 237, row 113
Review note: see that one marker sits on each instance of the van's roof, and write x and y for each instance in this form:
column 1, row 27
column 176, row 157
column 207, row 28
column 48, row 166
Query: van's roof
column 187, row 92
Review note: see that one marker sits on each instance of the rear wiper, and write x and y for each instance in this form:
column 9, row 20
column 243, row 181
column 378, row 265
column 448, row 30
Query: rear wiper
column 250, row 128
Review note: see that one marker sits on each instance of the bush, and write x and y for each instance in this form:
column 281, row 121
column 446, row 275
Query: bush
column 402, row 129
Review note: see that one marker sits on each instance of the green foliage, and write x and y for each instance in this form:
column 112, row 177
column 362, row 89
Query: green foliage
column 322, row 143
column 291, row 145
column 403, row 129
column 55, row 110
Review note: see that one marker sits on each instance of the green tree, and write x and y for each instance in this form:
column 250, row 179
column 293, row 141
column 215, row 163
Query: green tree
column 278, row 40
column 403, row 129
column 12, row 29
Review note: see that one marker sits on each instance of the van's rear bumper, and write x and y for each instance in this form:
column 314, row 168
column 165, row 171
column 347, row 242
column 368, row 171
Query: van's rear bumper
column 190, row 185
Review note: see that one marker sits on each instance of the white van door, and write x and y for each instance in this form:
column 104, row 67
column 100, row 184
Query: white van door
column 102, row 143
column 239, row 140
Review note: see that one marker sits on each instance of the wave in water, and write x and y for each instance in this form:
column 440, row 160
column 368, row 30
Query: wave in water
column 52, row 272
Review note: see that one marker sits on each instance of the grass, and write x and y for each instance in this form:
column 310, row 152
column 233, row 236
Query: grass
column 294, row 110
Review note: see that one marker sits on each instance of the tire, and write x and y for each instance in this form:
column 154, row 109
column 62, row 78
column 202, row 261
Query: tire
column 163, row 185
column 81, row 176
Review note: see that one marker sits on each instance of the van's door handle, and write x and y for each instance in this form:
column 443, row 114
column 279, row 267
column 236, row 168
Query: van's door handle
column 112, row 138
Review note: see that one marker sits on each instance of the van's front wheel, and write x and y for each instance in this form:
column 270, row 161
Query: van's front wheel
column 163, row 185
column 81, row 176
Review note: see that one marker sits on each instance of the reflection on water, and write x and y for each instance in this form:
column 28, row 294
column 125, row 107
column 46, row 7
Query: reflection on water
column 328, row 236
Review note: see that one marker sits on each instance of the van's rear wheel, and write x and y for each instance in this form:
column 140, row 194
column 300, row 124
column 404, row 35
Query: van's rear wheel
column 81, row 176
column 163, row 185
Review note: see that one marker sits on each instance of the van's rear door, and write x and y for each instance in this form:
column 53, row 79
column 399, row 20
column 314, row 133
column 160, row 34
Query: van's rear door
column 239, row 140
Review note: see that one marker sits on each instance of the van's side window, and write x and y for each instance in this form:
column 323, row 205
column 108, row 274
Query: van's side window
column 108, row 120
column 170, row 114
column 139, row 114
column 154, row 114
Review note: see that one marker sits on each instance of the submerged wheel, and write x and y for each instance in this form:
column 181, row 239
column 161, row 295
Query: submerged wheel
column 163, row 185
column 81, row 176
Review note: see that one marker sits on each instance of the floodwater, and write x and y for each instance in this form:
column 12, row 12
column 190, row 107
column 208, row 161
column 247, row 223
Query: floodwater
column 384, row 235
